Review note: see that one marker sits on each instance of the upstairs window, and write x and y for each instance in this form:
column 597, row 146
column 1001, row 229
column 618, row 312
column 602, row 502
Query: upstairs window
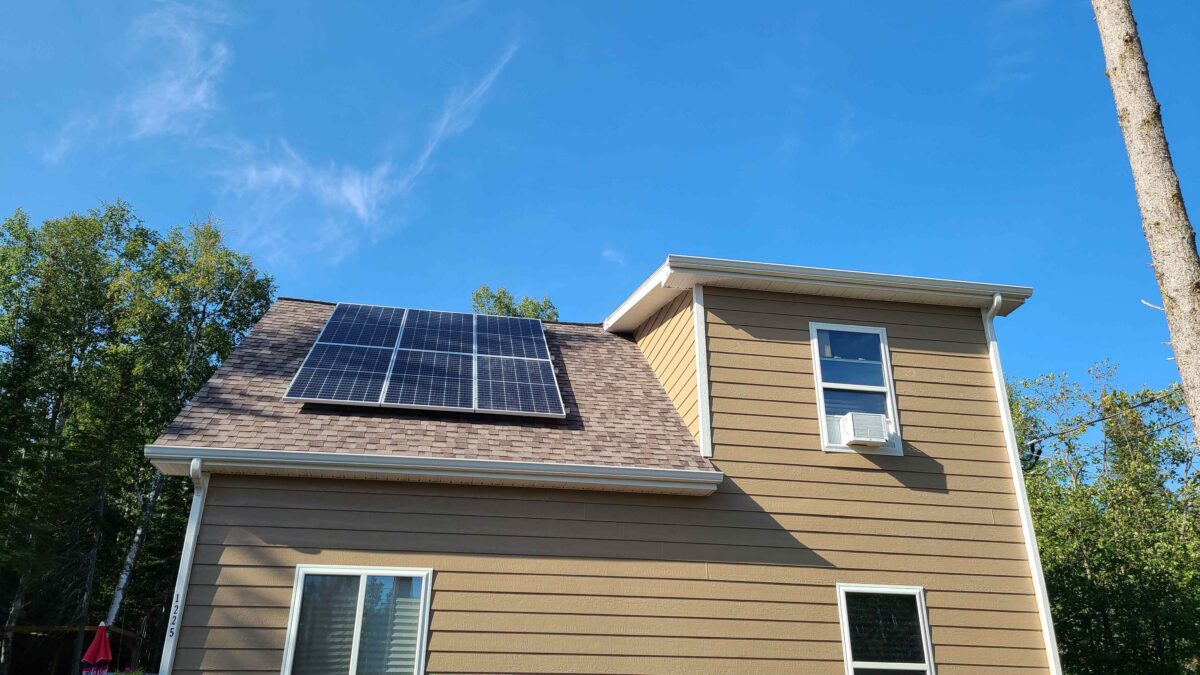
column 357, row 621
column 853, row 375
column 884, row 630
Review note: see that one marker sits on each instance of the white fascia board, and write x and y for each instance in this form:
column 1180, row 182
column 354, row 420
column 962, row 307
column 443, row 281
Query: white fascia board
column 653, row 292
column 174, row 460
column 683, row 272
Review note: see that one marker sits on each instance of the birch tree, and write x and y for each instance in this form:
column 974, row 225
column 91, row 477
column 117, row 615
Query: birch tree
column 106, row 328
column 1164, row 217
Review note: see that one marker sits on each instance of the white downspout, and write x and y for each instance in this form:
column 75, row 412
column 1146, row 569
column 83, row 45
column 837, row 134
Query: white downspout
column 1014, row 458
column 700, row 336
column 199, row 493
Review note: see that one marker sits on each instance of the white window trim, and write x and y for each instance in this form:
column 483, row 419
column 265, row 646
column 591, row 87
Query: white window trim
column 424, row 574
column 894, row 446
column 916, row 591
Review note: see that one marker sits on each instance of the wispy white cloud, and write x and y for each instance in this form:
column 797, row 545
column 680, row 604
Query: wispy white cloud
column 1012, row 34
column 458, row 114
column 279, row 201
column 178, row 95
column 447, row 15
column 361, row 200
column 182, row 92
column 361, row 193
column 77, row 125
column 609, row 254
column 280, row 172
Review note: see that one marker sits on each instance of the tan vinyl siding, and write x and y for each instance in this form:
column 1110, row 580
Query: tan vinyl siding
column 741, row 581
column 668, row 339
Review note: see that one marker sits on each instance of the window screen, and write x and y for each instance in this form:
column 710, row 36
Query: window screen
column 853, row 374
column 358, row 622
column 885, row 630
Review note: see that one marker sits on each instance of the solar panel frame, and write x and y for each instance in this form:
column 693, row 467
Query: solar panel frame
column 474, row 355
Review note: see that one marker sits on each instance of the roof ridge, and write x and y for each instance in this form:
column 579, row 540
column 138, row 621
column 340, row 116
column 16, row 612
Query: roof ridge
column 290, row 298
column 295, row 299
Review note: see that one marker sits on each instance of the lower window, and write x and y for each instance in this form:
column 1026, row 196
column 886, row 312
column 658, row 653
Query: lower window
column 357, row 621
column 885, row 630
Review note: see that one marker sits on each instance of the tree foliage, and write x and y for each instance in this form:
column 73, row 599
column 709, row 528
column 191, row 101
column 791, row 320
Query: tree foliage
column 106, row 328
column 1112, row 480
column 502, row 303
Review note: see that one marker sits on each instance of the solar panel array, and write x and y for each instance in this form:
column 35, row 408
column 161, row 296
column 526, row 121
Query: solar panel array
column 416, row 358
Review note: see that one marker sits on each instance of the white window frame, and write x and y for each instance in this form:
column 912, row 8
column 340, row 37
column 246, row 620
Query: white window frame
column 894, row 445
column 916, row 591
column 424, row 574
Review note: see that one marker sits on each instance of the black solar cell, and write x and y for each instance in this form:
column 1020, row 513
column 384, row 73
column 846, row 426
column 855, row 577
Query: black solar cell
column 341, row 373
column 510, row 336
column 517, row 385
column 438, row 331
column 432, row 379
column 363, row 325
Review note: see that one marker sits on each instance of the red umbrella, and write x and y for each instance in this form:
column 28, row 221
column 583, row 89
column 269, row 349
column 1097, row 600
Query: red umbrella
column 95, row 659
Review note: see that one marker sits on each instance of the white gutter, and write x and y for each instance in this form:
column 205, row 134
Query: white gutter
column 1014, row 459
column 681, row 272
column 173, row 460
column 198, row 471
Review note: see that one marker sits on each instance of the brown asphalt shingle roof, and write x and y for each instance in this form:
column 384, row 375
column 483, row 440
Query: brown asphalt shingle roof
column 617, row 411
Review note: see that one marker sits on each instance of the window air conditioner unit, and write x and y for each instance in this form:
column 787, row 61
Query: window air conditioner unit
column 866, row 430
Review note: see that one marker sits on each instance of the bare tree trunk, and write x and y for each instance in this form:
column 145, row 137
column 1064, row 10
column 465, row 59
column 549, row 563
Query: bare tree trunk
column 185, row 382
column 1164, row 218
column 14, row 613
column 150, row 501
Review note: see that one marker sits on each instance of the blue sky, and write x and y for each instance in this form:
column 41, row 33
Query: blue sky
column 404, row 154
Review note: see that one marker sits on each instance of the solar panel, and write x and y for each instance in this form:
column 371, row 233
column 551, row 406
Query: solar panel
column 509, row 336
column 517, row 385
column 363, row 325
column 342, row 373
column 415, row 358
column 431, row 379
column 438, row 331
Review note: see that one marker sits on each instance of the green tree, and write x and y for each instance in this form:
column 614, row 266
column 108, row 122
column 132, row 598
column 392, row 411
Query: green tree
column 1112, row 479
column 502, row 303
column 106, row 328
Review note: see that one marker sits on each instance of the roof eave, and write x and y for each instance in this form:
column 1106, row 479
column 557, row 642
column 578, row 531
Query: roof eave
column 175, row 460
column 681, row 272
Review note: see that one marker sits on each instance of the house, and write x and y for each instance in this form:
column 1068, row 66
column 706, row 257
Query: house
column 756, row 468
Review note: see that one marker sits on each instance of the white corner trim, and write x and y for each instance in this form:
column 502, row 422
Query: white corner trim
column 173, row 460
column 1014, row 458
column 703, row 403
column 198, row 472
